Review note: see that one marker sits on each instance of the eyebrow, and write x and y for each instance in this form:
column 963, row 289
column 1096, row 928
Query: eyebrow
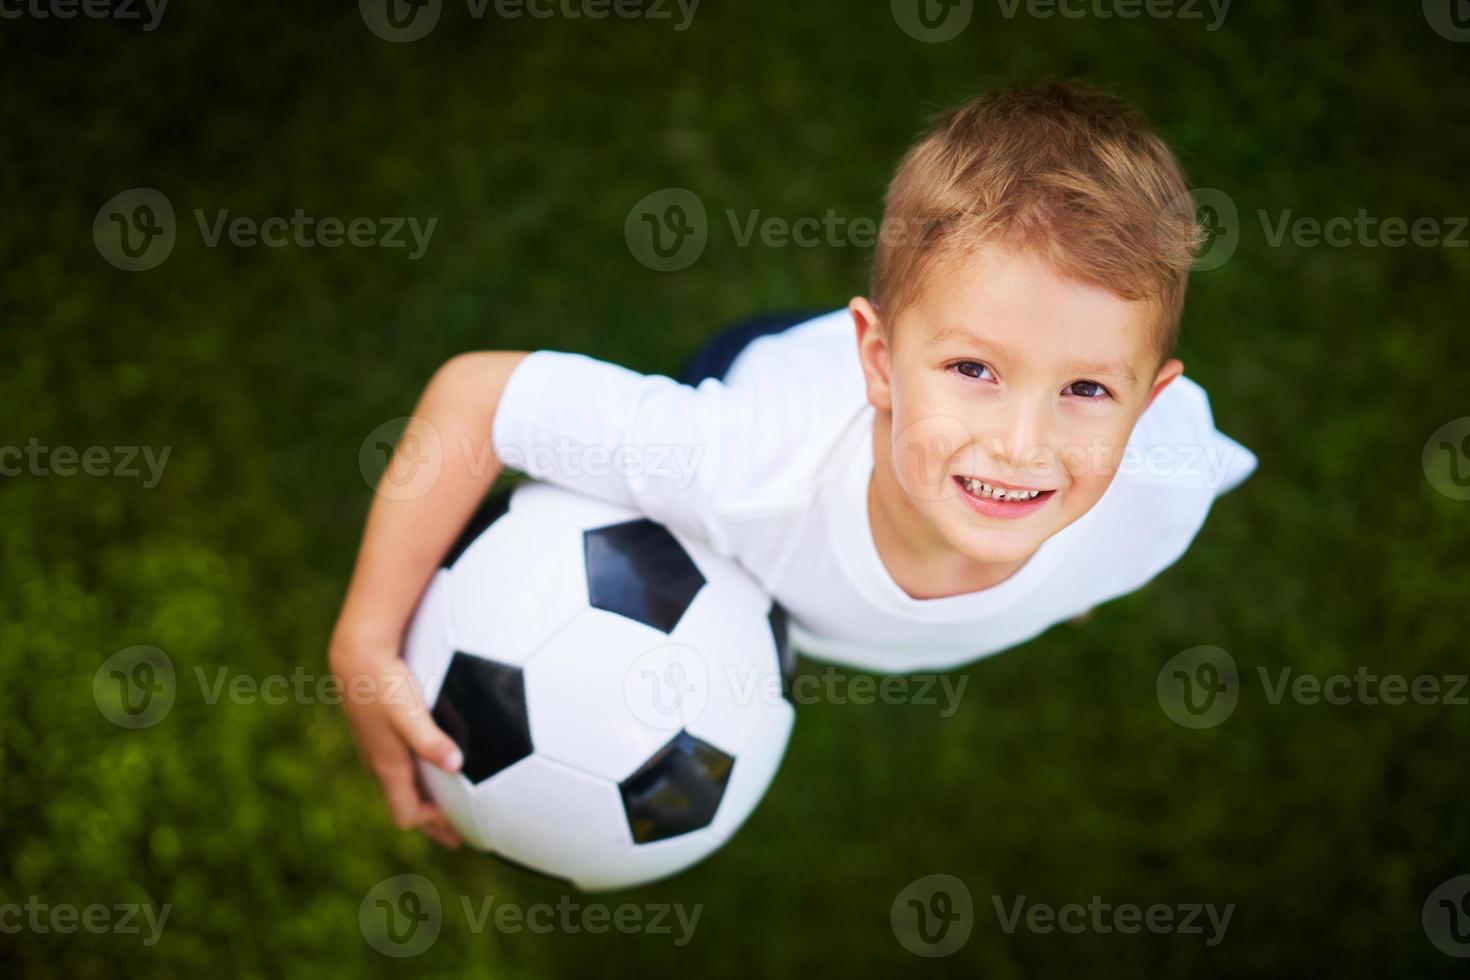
column 1114, row 368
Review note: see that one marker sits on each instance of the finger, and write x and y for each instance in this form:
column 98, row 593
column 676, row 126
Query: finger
column 392, row 763
column 438, row 828
column 408, row 808
column 416, row 725
column 438, row 825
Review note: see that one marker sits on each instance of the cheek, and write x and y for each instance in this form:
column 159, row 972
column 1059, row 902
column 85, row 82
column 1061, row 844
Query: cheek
column 1092, row 455
column 928, row 433
column 925, row 445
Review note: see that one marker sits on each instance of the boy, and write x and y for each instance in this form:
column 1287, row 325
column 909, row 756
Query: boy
column 1007, row 443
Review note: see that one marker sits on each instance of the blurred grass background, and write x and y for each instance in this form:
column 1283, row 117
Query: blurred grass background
column 530, row 140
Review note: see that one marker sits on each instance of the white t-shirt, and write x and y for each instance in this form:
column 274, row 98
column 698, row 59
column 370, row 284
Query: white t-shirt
column 771, row 467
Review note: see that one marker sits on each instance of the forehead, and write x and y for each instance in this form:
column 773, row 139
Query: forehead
column 1016, row 300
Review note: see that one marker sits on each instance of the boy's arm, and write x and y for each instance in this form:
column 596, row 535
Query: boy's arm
column 446, row 447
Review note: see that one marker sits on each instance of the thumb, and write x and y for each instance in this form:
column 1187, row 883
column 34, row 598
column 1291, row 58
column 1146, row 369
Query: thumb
column 413, row 722
column 427, row 739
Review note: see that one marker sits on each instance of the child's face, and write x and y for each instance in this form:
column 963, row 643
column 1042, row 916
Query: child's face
column 1003, row 372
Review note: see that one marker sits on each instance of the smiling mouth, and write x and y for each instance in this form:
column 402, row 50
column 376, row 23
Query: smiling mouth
column 998, row 500
column 999, row 493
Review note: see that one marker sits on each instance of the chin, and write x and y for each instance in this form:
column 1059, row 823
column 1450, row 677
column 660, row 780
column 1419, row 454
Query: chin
column 996, row 547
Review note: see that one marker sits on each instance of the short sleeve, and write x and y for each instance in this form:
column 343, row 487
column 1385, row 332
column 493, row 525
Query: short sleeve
column 640, row 441
column 1176, row 444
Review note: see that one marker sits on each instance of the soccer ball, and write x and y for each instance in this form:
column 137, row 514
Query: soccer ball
column 618, row 689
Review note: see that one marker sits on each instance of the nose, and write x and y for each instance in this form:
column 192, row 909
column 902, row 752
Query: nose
column 1017, row 436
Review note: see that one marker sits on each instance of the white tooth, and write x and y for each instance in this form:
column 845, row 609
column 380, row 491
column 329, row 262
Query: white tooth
column 987, row 489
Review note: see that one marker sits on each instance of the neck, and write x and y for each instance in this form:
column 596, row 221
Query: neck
column 916, row 555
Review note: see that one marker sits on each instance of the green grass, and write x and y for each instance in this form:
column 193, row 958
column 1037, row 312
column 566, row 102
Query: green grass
column 1058, row 778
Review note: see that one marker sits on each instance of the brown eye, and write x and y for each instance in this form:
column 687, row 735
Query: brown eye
column 972, row 369
column 1087, row 389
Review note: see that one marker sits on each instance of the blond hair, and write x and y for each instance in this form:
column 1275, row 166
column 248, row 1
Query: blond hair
column 1068, row 172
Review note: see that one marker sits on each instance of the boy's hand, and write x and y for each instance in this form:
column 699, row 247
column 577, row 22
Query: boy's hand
column 392, row 725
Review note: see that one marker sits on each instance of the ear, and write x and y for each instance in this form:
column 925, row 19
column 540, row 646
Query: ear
column 873, row 353
column 1168, row 371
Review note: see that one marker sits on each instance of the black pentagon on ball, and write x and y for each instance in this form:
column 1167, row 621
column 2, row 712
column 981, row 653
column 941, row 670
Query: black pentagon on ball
column 639, row 570
column 482, row 706
column 676, row 791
